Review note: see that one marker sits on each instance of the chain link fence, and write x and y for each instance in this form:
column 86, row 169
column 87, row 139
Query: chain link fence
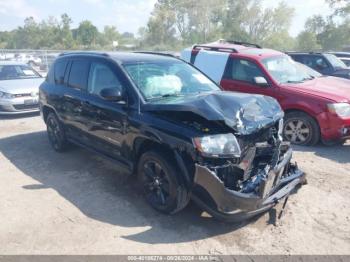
column 40, row 60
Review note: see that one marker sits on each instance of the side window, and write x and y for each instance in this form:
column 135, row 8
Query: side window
column 298, row 58
column 78, row 75
column 101, row 76
column 244, row 70
column 59, row 70
column 316, row 62
column 321, row 63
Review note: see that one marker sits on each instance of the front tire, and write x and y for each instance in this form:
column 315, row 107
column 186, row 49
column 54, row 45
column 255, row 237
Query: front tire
column 301, row 129
column 56, row 134
column 162, row 188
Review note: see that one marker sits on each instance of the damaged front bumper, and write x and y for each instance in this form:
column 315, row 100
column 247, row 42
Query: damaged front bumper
column 230, row 205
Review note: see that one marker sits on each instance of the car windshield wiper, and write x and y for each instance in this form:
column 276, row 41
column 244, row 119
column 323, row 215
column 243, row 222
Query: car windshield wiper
column 295, row 82
column 165, row 96
column 170, row 95
column 308, row 78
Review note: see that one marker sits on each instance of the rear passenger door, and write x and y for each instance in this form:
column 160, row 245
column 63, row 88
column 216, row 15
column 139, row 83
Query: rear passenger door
column 75, row 96
column 105, row 121
column 239, row 76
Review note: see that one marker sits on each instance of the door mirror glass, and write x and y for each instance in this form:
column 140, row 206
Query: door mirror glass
column 112, row 94
column 260, row 81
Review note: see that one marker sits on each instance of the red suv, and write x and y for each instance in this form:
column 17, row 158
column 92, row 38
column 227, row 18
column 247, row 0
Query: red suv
column 316, row 107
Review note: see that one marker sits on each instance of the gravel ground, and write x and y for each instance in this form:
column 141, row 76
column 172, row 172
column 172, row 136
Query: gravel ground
column 78, row 203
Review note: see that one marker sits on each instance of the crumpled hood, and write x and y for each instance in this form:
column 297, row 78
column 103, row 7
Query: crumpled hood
column 245, row 113
column 21, row 86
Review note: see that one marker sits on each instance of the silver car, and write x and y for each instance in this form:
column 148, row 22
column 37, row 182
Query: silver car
column 19, row 88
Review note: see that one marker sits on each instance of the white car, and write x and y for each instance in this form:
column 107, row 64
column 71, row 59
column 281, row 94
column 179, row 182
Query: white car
column 6, row 56
column 28, row 59
column 19, row 88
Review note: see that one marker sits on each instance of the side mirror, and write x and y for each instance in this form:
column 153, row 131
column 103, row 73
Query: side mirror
column 261, row 81
column 112, row 94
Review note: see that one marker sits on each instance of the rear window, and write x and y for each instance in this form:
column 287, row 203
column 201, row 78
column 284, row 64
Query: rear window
column 79, row 72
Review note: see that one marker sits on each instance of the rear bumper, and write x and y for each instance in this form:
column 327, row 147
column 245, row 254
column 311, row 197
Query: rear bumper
column 233, row 206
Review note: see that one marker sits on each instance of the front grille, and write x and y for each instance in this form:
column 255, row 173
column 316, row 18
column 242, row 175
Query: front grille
column 26, row 107
column 22, row 95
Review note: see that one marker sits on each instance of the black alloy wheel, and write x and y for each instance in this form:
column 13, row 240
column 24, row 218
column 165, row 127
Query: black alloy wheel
column 56, row 133
column 160, row 183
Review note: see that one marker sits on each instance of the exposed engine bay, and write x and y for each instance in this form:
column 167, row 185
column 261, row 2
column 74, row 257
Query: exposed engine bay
column 241, row 162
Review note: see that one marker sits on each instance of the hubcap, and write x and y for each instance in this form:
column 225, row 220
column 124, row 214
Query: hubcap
column 296, row 131
column 156, row 184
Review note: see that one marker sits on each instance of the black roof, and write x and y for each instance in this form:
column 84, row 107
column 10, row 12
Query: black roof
column 125, row 57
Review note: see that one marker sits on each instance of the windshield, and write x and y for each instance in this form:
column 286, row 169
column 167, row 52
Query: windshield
column 335, row 61
column 8, row 72
column 285, row 70
column 162, row 79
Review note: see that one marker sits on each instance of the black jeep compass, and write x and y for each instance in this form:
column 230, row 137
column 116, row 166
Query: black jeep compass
column 174, row 128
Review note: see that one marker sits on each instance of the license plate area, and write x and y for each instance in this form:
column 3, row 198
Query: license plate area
column 30, row 101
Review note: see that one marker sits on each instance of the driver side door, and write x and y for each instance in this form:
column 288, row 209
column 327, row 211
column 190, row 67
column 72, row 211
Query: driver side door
column 106, row 121
column 240, row 74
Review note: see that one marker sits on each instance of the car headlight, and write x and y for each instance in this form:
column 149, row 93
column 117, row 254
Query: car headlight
column 340, row 109
column 218, row 145
column 6, row 95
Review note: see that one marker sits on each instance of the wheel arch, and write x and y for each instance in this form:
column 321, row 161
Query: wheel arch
column 295, row 110
column 181, row 159
column 46, row 110
column 318, row 127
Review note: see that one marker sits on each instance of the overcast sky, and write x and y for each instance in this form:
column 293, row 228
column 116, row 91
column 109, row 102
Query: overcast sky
column 126, row 15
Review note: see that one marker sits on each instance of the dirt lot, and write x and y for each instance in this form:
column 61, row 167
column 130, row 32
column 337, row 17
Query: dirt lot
column 78, row 203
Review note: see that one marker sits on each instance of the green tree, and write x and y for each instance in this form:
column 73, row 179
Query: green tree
column 108, row 36
column 27, row 36
column 340, row 7
column 160, row 30
column 315, row 24
column 65, row 32
column 307, row 41
column 86, row 34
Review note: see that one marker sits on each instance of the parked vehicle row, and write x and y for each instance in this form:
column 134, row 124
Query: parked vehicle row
column 324, row 63
column 41, row 60
column 210, row 126
column 316, row 107
column 343, row 56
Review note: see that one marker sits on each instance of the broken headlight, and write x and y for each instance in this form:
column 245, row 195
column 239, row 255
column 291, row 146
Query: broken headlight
column 218, row 145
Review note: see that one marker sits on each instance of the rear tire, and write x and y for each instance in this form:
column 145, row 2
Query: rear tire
column 161, row 186
column 301, row 129
column 56, row 134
